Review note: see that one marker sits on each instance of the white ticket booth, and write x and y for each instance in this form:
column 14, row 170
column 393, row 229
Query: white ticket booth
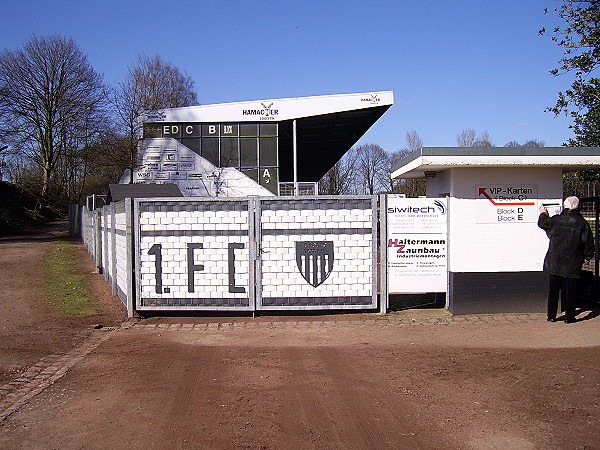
column 495, row 248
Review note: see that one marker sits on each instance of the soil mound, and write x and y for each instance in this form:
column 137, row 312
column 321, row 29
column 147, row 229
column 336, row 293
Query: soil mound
column 21, row 211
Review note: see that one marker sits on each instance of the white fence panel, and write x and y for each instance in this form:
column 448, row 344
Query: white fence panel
column 193, row 254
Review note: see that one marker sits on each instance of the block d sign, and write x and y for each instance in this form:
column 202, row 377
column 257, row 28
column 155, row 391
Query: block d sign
column 507, row 204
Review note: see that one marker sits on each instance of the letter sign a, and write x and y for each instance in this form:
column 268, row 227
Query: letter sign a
column 266, row 176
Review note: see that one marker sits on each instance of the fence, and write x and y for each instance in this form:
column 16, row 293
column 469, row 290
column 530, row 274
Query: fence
column 245, row 254
column 589, row 287
column 107, row 233
column 260, row 254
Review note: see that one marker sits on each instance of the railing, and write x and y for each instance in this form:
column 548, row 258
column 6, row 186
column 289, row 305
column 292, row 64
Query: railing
column 304, row 188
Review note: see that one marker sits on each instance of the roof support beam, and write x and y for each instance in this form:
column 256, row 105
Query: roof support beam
column 295, row 145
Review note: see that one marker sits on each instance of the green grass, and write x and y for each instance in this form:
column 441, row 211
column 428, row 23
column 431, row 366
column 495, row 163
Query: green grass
column 64, row 287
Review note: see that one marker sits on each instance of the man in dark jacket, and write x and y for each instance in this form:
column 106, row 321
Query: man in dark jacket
column 571, row 241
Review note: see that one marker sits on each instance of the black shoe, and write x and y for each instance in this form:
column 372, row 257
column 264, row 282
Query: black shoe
column 570, row 320
column 551, row 319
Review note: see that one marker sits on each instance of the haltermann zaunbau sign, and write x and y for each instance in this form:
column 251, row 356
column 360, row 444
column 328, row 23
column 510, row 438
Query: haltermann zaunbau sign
column 417, row 244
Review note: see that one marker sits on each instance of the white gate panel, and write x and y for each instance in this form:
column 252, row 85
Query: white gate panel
column 256, row 254
column 318, row 253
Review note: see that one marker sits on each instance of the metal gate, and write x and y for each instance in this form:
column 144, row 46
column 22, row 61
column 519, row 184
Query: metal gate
column 256, row 253
column 589, row 285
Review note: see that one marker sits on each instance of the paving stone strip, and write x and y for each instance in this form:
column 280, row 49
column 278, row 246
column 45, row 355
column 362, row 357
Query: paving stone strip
column 46, row 372
column 384, row 321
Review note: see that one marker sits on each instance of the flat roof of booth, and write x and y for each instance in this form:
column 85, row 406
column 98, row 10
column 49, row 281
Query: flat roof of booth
column 118, row 192
column 438, row 159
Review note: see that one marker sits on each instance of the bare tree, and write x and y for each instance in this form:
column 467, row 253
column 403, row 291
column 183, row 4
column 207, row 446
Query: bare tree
column 340, row 178
column 372, row 169
column 3, row 163
column 408, row 186
column 159, row 84
column 51, row 101
column 152, row 85
column 466, row 138
column 483, row 140
column 469, row 138
column 413, row 141
column 534, row 143
column 394, row 159
column 107, row 159
column 530, row 143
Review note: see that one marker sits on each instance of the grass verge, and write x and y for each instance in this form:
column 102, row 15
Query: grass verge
column 64, row 287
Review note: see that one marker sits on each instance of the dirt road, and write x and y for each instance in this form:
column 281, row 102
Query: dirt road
column 409, row 380
column 29, row 328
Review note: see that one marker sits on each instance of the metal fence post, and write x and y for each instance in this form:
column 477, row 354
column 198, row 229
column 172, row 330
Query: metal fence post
column 113, row 249
column 130, row 246
column 254, row 250
column 383, row 272
column 98, row 240
column 105, row 252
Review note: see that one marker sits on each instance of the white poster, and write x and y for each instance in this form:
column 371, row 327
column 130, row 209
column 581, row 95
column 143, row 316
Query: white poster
column 417, row 244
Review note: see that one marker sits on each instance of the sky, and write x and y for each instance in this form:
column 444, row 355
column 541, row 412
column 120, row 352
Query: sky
column 477, row 64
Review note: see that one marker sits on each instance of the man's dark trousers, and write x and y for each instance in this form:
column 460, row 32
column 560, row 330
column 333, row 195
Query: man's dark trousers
column 568, row 289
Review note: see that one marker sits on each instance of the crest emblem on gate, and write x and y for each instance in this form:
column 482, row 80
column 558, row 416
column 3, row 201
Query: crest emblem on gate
column 314, row 260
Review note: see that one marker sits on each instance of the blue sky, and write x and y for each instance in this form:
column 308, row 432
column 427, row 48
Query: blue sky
column 452, row 65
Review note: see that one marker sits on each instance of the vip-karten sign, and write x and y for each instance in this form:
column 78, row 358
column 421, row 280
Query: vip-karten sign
column 417, row 244
column 505, row 204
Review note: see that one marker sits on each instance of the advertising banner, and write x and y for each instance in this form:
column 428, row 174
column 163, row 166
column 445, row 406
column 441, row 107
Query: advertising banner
column 416, row 244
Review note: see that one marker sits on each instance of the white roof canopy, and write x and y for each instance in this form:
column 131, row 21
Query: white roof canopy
column 274, row 109
column 438, row 159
